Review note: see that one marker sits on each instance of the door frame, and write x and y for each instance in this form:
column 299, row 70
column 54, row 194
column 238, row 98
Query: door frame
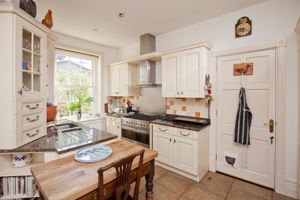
column 280, row 110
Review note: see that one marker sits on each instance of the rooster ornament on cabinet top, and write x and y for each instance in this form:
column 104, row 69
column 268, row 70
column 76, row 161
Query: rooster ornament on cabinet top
column 47, row 21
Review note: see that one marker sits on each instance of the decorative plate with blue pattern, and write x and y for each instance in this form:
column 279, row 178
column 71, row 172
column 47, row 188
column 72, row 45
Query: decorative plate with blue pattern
column 93, row 154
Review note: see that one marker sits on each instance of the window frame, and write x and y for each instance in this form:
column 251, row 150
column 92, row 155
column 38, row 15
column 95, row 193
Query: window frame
column 96, row 75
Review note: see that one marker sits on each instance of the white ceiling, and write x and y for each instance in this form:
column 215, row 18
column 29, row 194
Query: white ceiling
column 79, row 18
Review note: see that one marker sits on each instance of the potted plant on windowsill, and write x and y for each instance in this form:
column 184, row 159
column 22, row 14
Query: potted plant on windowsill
column 79, row 103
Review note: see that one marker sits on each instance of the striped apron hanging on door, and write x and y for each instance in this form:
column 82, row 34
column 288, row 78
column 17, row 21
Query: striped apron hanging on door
column 243, row 120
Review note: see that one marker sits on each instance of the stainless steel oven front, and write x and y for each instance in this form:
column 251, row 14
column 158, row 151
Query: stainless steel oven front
column 139, row 136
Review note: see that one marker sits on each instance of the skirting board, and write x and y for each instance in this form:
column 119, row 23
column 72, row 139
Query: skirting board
column 291, row 189
column 190, row 176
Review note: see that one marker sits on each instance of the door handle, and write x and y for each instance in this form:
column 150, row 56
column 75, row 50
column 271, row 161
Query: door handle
column 271, row 125
column 271, row 139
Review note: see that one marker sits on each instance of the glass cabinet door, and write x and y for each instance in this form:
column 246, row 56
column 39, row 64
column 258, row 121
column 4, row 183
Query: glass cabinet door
column 31, row 62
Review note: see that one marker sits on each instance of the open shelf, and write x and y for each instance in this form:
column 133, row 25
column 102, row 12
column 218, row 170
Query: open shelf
column 19, row 196
column 7, row 169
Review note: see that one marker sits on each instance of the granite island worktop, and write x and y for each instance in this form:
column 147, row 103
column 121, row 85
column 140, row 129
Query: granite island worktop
column 63, row 142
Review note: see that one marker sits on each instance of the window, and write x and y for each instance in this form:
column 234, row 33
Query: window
column 75, row 78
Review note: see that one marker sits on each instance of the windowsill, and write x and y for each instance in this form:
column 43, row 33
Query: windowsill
column 84, row 118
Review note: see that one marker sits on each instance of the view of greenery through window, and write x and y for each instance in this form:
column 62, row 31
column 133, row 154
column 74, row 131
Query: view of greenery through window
column 73, row 80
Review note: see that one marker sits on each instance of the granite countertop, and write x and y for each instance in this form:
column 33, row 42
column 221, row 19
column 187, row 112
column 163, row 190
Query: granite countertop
column 63, row 142
column 182, row 125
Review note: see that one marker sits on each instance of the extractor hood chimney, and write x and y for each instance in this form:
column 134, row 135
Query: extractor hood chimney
column 147, row 43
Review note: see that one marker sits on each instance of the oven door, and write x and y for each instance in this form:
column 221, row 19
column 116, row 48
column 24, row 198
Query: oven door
column 138, row 136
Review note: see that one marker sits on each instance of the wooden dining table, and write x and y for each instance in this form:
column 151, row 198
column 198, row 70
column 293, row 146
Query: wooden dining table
column 68, row 179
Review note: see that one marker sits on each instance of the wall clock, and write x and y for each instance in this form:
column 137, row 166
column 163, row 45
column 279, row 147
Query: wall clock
column 243, row 27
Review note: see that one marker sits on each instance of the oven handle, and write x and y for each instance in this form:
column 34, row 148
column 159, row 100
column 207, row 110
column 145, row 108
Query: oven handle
column 135, row 130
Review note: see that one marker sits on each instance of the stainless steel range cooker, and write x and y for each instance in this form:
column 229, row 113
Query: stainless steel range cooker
column 136, row 128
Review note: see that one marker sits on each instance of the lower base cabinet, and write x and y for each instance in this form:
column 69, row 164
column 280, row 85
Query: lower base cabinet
column 113, row 125
column 182, row 150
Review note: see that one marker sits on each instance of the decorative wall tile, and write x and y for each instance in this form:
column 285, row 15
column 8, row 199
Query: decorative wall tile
column 191, row 107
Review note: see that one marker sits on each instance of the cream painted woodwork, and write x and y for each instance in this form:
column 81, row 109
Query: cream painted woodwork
column 113, row 125
column 298, row 32
column 170, row 75
column 121, row 77
column 183, row 73
column 254, row 162
column 181, row 150
column 23, row 57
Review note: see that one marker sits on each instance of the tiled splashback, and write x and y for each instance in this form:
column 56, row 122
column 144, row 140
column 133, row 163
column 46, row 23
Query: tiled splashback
column 122, row 101
column 191, row 107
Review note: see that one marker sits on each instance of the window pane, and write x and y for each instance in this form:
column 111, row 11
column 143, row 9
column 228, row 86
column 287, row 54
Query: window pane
column 74, row 84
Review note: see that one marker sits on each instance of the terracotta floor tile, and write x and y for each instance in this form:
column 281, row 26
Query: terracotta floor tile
column 277, row 196
column 216, row 183
column 238, row 194
column 159, row 171
column 174, row 182
column 195, row 193
column 161, row 192
column 253, row 189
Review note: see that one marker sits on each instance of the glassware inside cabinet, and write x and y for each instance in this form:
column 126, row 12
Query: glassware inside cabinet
column 37, row 45
column 37, row 82
column 27, row 40
column 36, row 64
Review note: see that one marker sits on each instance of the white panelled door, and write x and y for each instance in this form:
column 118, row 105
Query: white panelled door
column 256, row 162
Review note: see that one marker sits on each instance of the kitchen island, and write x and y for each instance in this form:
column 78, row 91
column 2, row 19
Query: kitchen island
column 66, row 178
column 63, row 138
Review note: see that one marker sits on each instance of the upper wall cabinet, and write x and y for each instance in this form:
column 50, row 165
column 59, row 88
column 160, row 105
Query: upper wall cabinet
column 183, row 72
column 121, row 77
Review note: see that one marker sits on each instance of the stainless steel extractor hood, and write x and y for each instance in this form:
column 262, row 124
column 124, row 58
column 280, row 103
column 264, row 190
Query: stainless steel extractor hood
column 147, row 68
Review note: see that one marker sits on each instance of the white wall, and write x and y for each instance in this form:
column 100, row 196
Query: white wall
column 272, row 20
column 108, row 55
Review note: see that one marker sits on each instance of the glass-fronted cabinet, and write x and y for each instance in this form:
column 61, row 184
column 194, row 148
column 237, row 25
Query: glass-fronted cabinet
column 32, row 63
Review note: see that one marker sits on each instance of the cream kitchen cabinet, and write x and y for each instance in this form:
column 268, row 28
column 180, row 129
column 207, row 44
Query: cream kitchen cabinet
column 182, row 151
column 114, row 125
column 23, row 53
column 183, row 72
column 121, row 78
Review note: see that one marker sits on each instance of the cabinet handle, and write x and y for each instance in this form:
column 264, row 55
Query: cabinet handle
column 163, row 130
column 33, row 120
column 174, row 141
column 188, row 134
column 20, row 91
column 181, row 92
column 32, row 108
column 34, row 134
column 170, row 140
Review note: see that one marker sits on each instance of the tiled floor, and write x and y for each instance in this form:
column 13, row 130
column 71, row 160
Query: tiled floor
column 214, row 186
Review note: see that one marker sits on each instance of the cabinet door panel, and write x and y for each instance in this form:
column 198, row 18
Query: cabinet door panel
column 185, row 154
column 123, row 80
column 31, row 52
column 170, row 73
column 163, row 145
column 191, row 73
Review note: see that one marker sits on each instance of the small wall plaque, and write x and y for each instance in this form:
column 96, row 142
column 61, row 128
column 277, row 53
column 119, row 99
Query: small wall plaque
column 243, row 68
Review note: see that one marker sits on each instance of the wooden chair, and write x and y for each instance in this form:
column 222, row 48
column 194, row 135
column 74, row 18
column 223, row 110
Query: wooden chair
column 123, row 169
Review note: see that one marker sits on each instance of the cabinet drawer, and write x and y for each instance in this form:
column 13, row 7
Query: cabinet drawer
column 164, row 129
column 187, row 133
column 30, row 107
column 32, row 134
column 113, row 119
column 29, row 121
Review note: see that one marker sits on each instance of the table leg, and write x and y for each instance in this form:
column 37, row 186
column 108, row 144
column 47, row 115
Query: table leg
column 149, row 182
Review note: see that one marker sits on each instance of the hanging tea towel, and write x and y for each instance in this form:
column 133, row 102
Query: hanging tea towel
column 243, row 120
